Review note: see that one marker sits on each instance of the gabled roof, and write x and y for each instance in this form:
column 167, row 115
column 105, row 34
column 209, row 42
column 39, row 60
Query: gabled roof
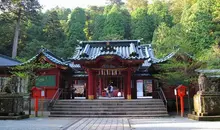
column 126, row 49
column 154, row 60
column 6, row 61
column 50, row 56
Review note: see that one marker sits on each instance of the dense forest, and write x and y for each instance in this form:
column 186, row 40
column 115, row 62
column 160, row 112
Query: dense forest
column 193, row 26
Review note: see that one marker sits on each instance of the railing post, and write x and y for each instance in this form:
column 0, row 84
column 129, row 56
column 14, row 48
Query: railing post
column 29, row 104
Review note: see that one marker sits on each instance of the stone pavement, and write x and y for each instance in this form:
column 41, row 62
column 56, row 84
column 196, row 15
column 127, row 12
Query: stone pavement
column 101, row 124
column 173, row 123
column 168, row 123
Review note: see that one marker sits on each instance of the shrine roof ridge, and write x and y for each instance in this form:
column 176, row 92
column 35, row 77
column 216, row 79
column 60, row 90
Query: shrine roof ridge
column 110, row 42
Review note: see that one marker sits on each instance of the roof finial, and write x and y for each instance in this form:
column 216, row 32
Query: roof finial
column 41, row 49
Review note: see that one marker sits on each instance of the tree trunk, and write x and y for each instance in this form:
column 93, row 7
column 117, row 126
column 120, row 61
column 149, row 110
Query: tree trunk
column 17, row 31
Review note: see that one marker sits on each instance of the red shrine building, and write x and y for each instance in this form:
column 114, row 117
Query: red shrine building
column 127, row 65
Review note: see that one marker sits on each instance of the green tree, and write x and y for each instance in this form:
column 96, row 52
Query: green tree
column 198, row 24
column 91, row 16
column 160, row 10
column 166, row 39
column 177, row 7
column 29, row 71
column 142, row 25
column 53, row 32
column 179, row 70
column 75, row 29
column 117, row 2
column 99, row 22
column 114, row 23
column 6, row 33
column 22, row 10
column 133, row 5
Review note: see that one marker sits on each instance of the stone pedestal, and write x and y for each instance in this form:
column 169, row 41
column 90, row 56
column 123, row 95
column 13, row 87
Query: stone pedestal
column 207, row 103
column 206, row 106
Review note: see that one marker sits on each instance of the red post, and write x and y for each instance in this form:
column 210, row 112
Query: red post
column 181, row 93
column 100, row 85
column 90, row 85
column 125, row 86
column 95, row 86
column 129, row 85
column 36, row 107
column 76, row 81
column 182, row 105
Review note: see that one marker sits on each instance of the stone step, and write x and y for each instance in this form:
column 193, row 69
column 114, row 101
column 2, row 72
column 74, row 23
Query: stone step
column 108, row 113
column 87, row 102
column 108, row 109
column 107, row 106
column 110, row 116
column 114, row 100
column 109, row 103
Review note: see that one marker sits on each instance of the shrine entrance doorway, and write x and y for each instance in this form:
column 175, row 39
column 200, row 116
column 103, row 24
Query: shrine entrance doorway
column 115, row 81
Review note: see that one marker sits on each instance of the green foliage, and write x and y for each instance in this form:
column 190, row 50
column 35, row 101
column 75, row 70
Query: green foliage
column 193, row 26
column 21, row 10
column 98, row 27
column 53, row 32
column 133, row 5
column 160, row 11
column 94, row 24
column 198, row 24
column 6, row 33
column 29, row 70
column 142, row 25
column 114, row 23
column 211, row 57
column 167, row 39
column 116, row 2
column 75, row 28
column 179, row 70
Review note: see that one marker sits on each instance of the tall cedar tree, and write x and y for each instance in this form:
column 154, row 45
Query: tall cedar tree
column 23, row 10
column 75, row 29
column 142, row 25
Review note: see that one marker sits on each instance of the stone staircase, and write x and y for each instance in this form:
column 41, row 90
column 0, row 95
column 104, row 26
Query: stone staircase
column 109, row 108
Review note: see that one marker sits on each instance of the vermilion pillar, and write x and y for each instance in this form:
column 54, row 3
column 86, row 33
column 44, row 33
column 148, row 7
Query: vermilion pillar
column 90, row 85
column 76, row 81
column 95, row 86
column 125, row 86
column 100, row 85
column 129, row 85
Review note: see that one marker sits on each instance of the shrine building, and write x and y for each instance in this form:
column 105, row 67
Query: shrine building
column 127, row 65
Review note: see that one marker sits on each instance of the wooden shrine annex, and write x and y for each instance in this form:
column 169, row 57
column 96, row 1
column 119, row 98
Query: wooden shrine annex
column 127, row 65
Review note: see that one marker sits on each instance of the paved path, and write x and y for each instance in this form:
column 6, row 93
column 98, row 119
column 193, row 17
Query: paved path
column 169, row 123
column 173, row 123
column 101, row 124
column 37, row 124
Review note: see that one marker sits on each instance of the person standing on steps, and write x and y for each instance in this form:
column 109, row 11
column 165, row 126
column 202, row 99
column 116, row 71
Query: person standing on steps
column 110, row 90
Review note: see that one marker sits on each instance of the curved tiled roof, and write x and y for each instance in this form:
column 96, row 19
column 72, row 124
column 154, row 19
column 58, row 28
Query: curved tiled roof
column 126, row 49
column 6, row 61
column 50, row 56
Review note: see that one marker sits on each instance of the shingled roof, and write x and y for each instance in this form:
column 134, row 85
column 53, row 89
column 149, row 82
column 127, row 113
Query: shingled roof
column 6, row 61
column 50, row 56
column 126, row 49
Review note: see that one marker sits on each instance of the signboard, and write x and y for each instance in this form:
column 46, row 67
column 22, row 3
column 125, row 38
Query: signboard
column 46, row 80
column 140, row 88
column 42, row 93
